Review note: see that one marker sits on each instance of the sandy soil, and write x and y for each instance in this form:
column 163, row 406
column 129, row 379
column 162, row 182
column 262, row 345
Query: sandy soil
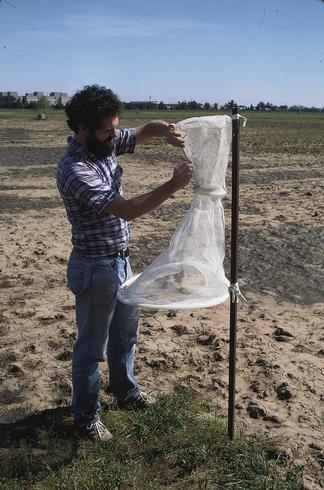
column 280, row 388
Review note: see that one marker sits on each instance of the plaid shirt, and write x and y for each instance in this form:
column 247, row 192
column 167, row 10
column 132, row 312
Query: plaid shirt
column 87, row 185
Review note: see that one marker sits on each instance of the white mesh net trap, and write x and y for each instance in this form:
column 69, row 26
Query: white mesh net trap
column 190, row 273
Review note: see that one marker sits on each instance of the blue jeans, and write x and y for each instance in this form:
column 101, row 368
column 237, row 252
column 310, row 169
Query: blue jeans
column 107, row 330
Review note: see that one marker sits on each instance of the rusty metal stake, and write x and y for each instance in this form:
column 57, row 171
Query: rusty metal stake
column 234, row 269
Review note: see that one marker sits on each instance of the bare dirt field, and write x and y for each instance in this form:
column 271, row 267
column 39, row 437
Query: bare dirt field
column 280, row 351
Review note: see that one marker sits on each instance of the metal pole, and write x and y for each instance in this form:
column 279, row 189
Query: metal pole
column 234, row 268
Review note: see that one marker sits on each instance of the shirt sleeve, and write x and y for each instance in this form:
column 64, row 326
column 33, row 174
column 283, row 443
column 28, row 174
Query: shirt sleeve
column 83, row 182
column 125, row 141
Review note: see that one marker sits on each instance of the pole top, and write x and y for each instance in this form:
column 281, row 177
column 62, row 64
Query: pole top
column 235, row 110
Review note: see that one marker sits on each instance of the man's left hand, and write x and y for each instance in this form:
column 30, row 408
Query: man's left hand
column 174, row 137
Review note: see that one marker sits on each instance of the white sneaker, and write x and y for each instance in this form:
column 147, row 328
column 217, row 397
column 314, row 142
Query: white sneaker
column 139, row 402
column 96, row 430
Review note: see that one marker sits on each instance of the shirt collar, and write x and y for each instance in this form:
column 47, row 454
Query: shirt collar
column 80, row 151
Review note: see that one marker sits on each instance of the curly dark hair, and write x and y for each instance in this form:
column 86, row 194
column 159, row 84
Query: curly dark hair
column 90, row 105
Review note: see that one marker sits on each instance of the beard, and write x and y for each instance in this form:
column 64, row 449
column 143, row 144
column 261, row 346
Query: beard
column 101, row 149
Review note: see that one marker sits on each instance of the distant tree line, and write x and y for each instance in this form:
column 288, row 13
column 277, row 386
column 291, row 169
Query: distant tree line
column 190, row 105
column 193, row 105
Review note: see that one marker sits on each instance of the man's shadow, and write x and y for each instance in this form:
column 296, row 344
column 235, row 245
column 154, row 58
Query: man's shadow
column 38, row 443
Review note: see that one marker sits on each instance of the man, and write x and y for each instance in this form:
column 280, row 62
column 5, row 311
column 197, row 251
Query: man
column 89, row 181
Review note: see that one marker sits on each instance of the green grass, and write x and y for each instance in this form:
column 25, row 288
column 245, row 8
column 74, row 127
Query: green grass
column 178, row 443
column 279, row 133
column 20, row 298
column 29, row 115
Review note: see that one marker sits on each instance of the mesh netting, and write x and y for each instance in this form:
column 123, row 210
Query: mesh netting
column 189, row 273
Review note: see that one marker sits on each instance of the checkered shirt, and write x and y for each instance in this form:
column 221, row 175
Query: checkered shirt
column 87, row 185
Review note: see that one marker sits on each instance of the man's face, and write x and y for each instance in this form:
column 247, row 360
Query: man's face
column 101, row 141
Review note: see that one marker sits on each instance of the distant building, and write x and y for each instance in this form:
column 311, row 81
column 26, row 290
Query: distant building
column 32, row 97
column 65, row 99
column 57, row 95
column 54, row 98
column 8, row 98
column 58, row 98
column 170, row 105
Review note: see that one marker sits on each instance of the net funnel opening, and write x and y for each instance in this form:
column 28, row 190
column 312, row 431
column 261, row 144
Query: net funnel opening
column 189, row 273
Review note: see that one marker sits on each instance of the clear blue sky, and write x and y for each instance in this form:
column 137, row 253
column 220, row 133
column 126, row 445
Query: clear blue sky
column 207, row 50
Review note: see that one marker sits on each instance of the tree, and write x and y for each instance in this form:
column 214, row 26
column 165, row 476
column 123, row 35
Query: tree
column 18, row 104
column 193, row 105
column 231, row 104
column 43, row 103
column 31, row 105
column 261, row 106
column 182, row 105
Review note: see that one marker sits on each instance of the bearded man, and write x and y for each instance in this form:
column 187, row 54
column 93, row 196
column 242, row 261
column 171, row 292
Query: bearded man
column 89, row 181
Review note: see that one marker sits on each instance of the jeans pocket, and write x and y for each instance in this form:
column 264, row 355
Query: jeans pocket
column 75, row 279
column 106, row 265
column 105, row 282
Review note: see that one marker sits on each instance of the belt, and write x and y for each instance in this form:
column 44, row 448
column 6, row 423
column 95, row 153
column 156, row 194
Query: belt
column 121, row 254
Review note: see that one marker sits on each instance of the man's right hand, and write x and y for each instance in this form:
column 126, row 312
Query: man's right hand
column 182, row 175
column 133, row 208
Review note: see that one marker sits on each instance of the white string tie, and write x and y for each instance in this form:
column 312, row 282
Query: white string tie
column 209, row 192
column 239, row 116
column 236, row 294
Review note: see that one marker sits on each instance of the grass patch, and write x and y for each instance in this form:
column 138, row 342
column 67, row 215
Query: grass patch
column 274, row 133
column 66, row 355
column 29, row 348
column 177, row 443
column 19, row 299
column 4, row 328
